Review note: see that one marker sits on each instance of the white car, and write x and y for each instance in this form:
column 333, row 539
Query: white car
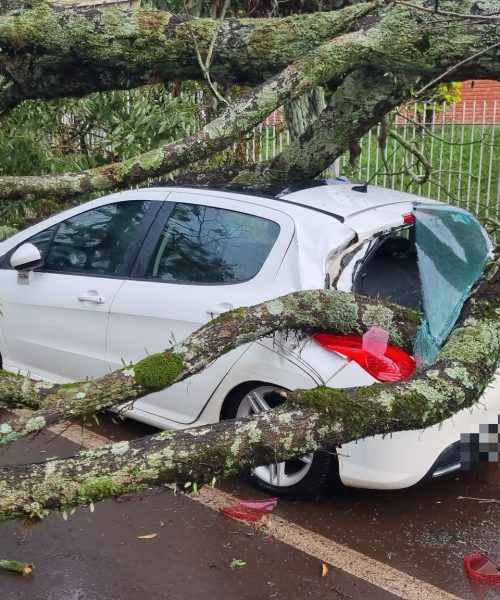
column 125, row 275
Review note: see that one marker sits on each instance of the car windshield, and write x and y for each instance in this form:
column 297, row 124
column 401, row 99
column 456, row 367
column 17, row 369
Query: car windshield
column 452, row 249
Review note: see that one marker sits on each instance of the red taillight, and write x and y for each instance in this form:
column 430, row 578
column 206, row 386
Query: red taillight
column 393, row 365
column 408, row 218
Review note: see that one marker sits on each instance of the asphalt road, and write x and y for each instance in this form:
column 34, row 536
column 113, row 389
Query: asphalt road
column 418, row 536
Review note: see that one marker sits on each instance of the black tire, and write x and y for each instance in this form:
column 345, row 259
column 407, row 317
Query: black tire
column 299, row 481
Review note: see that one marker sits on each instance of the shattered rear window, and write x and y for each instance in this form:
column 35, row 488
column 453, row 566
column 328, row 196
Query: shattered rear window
column 452, row 249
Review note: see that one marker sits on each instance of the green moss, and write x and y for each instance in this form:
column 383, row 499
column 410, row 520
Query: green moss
column 474, row 345
column 157, row 371
column 95, row 488
column 69, row 386
column 35, row 424
column 355, row 415
column 226, row 316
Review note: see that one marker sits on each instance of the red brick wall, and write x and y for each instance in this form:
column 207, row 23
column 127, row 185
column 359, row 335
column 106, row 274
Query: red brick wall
column 477, row 102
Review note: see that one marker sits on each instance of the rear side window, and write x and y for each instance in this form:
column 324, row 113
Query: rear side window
column 391, row 271
column 204, row 244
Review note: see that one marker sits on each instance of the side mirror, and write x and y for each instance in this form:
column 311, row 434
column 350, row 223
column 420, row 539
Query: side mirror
column 26, row 258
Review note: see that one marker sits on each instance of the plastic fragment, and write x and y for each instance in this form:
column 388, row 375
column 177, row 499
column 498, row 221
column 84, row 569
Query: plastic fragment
column 250, row 509
column 375, row 341
column 480, row 567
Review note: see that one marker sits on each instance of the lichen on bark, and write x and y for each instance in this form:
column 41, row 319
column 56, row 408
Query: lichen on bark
column 299, row 310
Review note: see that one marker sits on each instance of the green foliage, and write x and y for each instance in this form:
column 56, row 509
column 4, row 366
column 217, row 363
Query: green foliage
column 41, row 137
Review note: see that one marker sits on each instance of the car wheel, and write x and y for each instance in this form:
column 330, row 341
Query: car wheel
column 299, row 478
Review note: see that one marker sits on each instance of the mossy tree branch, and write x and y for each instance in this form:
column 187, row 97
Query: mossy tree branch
column 309, row 420
column 338, row 311
column 390, row 54
column 324, row 63
column 49, row 53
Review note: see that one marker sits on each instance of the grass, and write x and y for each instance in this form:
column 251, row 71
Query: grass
column 465, row 163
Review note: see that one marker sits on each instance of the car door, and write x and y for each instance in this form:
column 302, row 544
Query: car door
column 206, row 254
column 54, row 326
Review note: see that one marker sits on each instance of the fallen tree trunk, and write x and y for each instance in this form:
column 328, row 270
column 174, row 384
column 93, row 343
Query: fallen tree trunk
column 309, row 420
column 392, row 42
column 49, row 53
column 320, row 418
column 324, row 63
column 338, row 311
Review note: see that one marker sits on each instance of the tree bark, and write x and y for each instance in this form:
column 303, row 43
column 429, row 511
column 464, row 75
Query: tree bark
column 321, row 418
column 48, row 53
column 394, row 52
column 340, row 312
column 324, row 63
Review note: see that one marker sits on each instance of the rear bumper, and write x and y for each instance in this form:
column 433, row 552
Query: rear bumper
column 406, row 457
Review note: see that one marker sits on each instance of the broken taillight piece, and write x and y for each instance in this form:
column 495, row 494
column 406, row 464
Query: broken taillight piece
column 250, row 509
column 480, row 567
column 408, row 218
column 389, row 364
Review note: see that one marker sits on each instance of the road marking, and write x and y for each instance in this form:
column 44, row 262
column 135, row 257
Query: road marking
column 387, row 578
column 354, row 563
column 70, row 431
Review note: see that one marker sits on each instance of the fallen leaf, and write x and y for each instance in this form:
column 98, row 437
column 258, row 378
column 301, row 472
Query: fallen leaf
column 148, row 536
column 324, row 569
column 237, row 563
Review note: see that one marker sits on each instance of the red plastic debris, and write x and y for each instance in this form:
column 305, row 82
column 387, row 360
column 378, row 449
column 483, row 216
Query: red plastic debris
column 480, row 567
column 250, row 509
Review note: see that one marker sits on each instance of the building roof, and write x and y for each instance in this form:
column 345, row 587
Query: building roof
column 88, row 3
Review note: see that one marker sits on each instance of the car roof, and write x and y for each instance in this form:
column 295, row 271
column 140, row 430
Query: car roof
column 346, row 200
column 338, row 197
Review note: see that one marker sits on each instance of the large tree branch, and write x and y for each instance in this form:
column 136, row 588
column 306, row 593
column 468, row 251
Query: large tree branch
column 396, row 44
column 52, row 54
column 358, row 104
column 326, row 62
column 310, row 420
column 48, row 53
column 339, row 311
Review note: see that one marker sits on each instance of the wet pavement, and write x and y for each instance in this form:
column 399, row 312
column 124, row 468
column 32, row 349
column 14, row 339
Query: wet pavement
column 423, row 531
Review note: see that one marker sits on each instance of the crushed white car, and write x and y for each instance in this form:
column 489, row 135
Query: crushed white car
column 130, row 273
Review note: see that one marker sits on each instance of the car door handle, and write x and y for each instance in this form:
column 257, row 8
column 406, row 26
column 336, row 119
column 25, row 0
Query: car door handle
column 220, row 308
column 92, row 298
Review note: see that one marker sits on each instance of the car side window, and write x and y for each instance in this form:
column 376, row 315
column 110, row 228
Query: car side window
column 96, row 241
column 206, row 244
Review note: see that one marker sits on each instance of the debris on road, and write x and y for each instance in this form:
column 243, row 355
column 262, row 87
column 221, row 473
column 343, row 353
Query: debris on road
column 16, row 567
column 250, row 509
column 480, row 500
column 479, row 566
